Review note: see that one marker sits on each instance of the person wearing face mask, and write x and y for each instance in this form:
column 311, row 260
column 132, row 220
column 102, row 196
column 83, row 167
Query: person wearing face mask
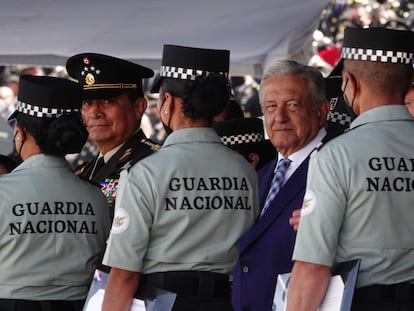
column 359, row 196
column 54, row 224
column 181, row 211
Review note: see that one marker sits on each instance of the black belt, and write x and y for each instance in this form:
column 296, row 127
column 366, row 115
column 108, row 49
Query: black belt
column 190, row 283
column 399, row 293
column 41, row 305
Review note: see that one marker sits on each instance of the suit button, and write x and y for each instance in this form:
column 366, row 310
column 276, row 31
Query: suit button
column 246, row 308
column 245, row 269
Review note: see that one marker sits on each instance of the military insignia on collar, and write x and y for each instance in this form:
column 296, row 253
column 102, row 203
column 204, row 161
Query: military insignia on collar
column 152, row 145
column 126, row 154
column 109, row 188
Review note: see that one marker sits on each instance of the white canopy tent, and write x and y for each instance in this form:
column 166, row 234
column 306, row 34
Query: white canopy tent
column 47, row 32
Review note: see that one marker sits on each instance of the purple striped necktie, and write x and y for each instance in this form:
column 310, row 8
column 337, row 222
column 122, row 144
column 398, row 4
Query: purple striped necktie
column 277, row 182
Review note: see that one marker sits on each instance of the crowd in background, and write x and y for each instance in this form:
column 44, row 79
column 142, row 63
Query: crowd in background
column 247, row 102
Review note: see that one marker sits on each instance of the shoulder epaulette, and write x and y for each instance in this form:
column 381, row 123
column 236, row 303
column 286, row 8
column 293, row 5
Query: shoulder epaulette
column 153, row 145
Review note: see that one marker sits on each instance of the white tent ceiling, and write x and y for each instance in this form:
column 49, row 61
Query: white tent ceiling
column 47, row 32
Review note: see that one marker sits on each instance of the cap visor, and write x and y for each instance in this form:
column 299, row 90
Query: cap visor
column 155, row 87
column 101, row 94
column 337, row 71
column 12, row 116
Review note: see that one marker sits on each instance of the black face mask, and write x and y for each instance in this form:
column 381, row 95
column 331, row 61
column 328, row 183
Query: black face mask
column 348, row 107
column 167, row 128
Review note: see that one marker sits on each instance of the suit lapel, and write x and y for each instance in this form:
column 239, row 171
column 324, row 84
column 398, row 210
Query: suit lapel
column 289, row 191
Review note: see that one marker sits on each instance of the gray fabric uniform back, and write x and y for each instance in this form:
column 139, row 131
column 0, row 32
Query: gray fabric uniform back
column 184, row 207
column 53, row 227
column 370, row 188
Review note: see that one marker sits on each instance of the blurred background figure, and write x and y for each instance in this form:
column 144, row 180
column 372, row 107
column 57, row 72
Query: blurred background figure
column 6, row 138
column 157, row 132
column 246, row 93
column 7, row 100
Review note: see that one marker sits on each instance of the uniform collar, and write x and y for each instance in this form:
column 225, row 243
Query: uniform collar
column 42, row 160
column 193, row 134
column 382, row 113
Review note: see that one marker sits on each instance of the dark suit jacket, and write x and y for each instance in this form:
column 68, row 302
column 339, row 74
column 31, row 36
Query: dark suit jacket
column 266, row 248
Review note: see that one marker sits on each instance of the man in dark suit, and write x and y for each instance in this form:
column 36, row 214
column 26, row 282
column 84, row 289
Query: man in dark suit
column 292, row 97
column 113, row 105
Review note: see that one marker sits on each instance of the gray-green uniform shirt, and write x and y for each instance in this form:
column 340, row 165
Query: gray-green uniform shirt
column 184, row 207
column 359, row 201
column 53, row 226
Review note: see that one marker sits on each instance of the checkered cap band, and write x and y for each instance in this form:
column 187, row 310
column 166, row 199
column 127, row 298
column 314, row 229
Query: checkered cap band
column 185, row 73
column 394, row 57
column 42, row 112
column 242, row 139
column 339, row 117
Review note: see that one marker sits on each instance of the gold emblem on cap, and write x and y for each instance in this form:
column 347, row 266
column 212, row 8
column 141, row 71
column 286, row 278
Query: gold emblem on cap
column 126, row 153
column 89, row 79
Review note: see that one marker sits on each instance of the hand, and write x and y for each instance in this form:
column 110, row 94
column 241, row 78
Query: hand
column 294, row 220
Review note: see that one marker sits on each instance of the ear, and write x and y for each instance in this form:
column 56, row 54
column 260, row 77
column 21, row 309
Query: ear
column 20, row 133
column 167, row 103
column 323, row 111
column 140, row 105
column 254, row 159
column 353, row 82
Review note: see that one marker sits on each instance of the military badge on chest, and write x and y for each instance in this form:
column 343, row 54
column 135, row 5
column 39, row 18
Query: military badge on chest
column 109, row 189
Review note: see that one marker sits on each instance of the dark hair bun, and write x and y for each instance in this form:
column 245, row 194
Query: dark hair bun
column 66, row 135
column 210, row 95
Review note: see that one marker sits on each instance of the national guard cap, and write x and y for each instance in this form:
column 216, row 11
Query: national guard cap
column 240, row 131
column 188, row 63
column 47, row 97
column 374, row 44
column 103, row 76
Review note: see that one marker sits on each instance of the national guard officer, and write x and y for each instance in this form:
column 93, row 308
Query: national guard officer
column 246, row 136
column 53, row 224
column 359, row 197
column 181, row 211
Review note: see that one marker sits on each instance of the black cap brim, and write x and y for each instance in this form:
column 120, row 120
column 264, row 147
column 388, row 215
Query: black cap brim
column 155, row 87
column 12, row 116
column 337, row 71
column 101, row 94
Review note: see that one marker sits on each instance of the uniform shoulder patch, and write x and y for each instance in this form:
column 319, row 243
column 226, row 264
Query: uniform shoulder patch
column 121, row 221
